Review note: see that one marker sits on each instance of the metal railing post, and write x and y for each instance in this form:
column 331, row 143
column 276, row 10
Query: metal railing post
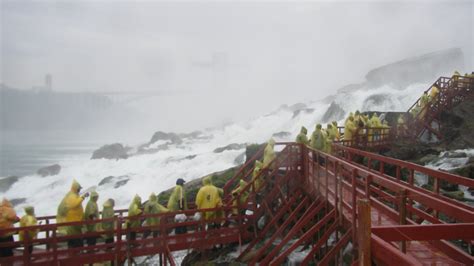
column 118, row 243
column 354, row 211
column 364, row 232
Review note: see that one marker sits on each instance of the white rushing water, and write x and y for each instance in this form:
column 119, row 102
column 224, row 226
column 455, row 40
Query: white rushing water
column 156, row 172
column 445, row 162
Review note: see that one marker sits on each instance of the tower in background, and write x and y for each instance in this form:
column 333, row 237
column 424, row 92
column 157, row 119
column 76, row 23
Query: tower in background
column 48, row 82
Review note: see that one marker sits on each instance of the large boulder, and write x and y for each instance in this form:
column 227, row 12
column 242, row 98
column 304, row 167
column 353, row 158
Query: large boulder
column 333, row 113
column 49, row 170
column 381, row 101
column 282, row 135
column 171, row 137
column 458, row 126
column 7, row 182
column 112, row 151
column 114, row 181
column 233, row 146
column 420, row 69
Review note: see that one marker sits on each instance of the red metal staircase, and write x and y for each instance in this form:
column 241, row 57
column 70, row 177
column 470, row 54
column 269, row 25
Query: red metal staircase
column 452, row 91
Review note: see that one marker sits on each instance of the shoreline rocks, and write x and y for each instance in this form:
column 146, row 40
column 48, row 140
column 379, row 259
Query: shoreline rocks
column 49, row 170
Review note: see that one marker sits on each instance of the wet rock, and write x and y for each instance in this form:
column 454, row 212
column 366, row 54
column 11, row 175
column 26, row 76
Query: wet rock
column 333, row 113
column 49, row 170
column 377, row 102
column 233, row 146
column 240, row 159
column 454, row 154
column 418, row 69
column 457, row 195
column 190, row 157
column 282, row 135
column 458, row 126
column 17, row 201
column 466, row 171
column 112, row 151
column 471, row 190
column 252, row 149
column 116, row 181
column 305, row 110
column 160, row 135
column 192, row 135
column 106, row 180
column 7, row 182
column 121, row 183
column 428, row 158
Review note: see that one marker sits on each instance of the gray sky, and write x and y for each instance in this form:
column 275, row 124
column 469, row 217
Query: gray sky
column 221, row 56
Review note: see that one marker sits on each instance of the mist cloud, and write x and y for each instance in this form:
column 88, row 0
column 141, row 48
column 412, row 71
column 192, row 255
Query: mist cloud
column 223, row 61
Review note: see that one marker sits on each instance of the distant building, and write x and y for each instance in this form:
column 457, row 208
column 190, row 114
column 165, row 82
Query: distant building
column 48, row 82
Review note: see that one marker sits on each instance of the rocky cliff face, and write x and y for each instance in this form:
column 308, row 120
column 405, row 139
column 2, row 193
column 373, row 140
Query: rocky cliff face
column 458, row 126
column 419, row 69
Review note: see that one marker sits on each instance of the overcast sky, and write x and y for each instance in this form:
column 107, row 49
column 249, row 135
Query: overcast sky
column 261, row 54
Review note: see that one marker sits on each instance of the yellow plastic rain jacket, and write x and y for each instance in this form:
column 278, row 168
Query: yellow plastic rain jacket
column 108, row 212
column 239, row 200
column 178, row 195
column 318, row 139
column 7, row 216
column 269, row 153
column 208, row 197
column 92, row 212
column 28, row 219
column 255, row 175
column 153, row 207
column 70, row 210
column 302, row 138
column 349, row 129
column 134, row 211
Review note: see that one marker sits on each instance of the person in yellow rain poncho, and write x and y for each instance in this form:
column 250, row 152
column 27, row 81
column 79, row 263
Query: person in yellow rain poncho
column 29, row 219
column 318, row 139
column 108, row 213
column 349, row 130
column 7, row 219
column 331, row 136
column 134, row 211
column 70, row 210
column 336, row 131
column 208, row 197
column 178, row 199
column 374, row 122
column 401, row 126
column 257, row 176
column 239, row 199
column 153, row 207
column 424, row 104
column 434, row 92
column 302, row 138
column 269, row 153
column 92, row 213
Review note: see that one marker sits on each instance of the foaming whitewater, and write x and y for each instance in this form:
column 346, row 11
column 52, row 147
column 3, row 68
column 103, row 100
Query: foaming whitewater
column 195, row 157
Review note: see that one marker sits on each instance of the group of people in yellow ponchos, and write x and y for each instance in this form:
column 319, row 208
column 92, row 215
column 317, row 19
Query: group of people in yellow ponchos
column 321, row 138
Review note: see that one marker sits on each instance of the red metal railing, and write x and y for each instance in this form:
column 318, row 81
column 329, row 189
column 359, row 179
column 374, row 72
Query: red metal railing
column 125, row 248
column 343, row 182
column 300, row 178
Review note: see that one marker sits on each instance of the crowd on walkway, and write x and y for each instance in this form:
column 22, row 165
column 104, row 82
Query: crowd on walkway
column 70, row 209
